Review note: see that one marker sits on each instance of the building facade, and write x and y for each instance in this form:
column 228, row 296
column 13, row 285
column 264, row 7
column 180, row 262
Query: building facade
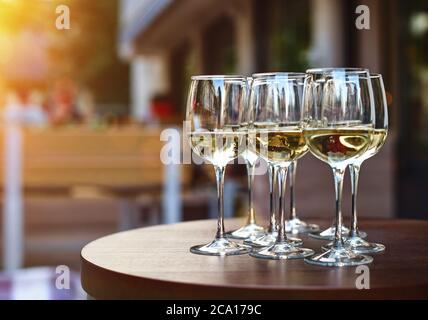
column 166, row 41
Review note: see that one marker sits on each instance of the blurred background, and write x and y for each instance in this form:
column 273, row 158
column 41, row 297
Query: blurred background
column 82, row 109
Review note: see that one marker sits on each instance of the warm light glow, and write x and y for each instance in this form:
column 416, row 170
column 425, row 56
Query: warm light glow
column 17, row 19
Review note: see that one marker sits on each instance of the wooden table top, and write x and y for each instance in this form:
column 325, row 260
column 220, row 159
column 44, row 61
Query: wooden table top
column 155, row 263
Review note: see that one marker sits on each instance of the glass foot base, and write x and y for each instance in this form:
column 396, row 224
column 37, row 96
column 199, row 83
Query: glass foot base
column 245, row 232
column 282, row 251
column 328, row 234
column 359, row 245
column 268, row 239
column 360, row 234
column 220, row 247
column 338, row 258
column 297, row 226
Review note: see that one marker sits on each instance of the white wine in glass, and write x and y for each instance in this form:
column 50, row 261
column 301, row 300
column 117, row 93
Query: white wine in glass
column 219, row 147
column 280, row 143
column 354, row 240
column 276, row 99
column 339, row 121
column 339, row 144
column 214, row 110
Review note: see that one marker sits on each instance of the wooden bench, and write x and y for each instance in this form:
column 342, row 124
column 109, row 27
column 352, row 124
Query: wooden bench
column 112, row 162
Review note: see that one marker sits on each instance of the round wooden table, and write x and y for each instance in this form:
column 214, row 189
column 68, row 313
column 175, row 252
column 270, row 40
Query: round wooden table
column 155, row 263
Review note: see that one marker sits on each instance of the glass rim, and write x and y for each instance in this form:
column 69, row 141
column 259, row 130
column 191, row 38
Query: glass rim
column 281, row 75
column 371, row 76
column 339, row 69
column 218, row 77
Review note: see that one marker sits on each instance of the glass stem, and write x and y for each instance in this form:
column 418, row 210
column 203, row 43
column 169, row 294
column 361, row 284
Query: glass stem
column 292, row 169
column 219, row 175
column 272, row 183
column 282, row 181
column 250, row 173
column 338, row 186
column 354, row 169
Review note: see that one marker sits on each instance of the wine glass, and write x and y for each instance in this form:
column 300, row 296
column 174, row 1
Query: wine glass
column 278, row 139
column 214, row 111
column 354, row 241
column 294, row 225
column 268, row 237
column 339, row 123
column 329, row 233
column 251, row 228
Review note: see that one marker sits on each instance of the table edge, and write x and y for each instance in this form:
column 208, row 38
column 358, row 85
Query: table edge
column 92, row 277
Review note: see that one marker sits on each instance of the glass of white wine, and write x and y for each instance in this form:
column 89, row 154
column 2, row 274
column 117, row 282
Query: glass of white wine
column 328, row 234
column 214, row 112
column 276, row 99
column 268, row 237
column 339, row 124
column 354, row 240
column 251, row 228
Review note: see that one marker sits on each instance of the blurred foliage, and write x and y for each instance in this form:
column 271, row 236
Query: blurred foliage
column 415, row 48
column 85, row 53
column 290, row 35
